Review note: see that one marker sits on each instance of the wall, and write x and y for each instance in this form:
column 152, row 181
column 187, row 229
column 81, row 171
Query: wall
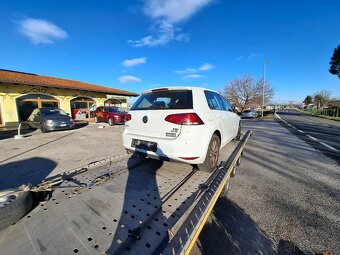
column 9, row 93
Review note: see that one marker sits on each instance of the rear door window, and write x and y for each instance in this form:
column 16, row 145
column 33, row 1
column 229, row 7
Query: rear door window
column 226, row 105
column 214, row 101
column 164, row 100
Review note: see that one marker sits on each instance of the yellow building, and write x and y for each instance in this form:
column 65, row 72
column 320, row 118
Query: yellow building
column 20, row 93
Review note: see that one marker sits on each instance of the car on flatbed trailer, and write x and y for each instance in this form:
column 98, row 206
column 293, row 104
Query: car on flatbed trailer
column 185, row 124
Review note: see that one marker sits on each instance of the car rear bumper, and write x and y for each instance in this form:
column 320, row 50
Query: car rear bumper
column 186, row 148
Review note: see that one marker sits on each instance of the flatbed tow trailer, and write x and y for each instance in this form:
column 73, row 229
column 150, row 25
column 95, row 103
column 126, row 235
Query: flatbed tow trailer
column 122, row 205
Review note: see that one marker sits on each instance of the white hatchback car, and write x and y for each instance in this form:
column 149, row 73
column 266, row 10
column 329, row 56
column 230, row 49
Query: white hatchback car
column 186, row 124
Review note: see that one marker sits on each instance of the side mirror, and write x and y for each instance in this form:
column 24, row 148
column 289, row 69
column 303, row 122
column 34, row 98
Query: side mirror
column 67, row 114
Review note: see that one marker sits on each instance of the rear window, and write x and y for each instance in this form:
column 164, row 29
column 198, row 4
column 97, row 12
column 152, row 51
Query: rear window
column 164, row 100
column 47, row 112
column 115, row 109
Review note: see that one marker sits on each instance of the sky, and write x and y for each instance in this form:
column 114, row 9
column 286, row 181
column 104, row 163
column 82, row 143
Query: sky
column 143, row 44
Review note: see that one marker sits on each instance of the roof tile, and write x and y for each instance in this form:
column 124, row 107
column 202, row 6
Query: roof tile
column 39, row 80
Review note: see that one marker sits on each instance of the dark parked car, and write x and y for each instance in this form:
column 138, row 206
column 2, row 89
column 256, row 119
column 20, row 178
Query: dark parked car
column 249, row 114
column 111, row 114
column 48, row 119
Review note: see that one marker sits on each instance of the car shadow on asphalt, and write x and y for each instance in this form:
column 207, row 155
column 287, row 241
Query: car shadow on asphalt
column 230, row 230
column 32, row 170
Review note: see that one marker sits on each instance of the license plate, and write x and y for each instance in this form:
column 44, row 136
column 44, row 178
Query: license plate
column 63, row 125
column 144, row 145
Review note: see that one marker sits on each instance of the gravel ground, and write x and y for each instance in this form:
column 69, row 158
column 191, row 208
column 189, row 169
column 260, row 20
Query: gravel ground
column 40, row 155
column 284, row 199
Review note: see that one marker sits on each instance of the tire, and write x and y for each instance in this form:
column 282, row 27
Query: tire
column 233, row 172
column 96, row 119
column 238, row 161
column 13, row 211
column 111, row 122
column 43, row 128
column 226, row 189
column 211, row 159
column 238, row 136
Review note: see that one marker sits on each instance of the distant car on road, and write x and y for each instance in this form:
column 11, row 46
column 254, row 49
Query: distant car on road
column 249, row 114
column 185, row 124
column 111, row 114
column 48, row 119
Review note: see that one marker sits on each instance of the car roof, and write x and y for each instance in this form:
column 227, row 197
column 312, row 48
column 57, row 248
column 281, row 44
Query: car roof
column 179, row 88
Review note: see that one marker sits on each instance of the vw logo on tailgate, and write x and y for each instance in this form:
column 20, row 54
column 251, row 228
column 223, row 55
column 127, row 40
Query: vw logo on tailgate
column 145, row 119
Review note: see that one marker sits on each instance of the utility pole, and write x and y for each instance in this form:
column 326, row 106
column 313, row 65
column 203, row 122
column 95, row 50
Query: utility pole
column 264, row 84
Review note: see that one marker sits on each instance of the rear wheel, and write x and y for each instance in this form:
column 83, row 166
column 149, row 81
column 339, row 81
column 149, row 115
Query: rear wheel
column 96, row 119
column 111, row 122
column 211, row 159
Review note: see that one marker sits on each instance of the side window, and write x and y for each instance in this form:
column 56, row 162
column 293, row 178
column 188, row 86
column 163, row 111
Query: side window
column 213, row 100
column 226, row 105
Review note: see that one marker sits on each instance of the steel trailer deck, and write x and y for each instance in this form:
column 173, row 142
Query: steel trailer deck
column 124, row 205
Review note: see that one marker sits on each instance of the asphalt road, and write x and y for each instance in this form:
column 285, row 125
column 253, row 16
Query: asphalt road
column 284, row 199
column 321, row 134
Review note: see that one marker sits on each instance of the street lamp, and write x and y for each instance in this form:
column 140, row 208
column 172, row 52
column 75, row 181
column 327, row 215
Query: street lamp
column 264, row 84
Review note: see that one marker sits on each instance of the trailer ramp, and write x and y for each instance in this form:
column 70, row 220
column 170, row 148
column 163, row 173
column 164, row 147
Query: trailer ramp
column 124, row 205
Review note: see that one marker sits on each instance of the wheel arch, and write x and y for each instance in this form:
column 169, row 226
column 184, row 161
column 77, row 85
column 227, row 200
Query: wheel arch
column 218, row 133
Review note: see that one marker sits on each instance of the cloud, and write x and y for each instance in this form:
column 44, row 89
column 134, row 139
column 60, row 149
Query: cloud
column 164, row 33
column 192, row 76
column 165, row 15
column 41, row 31
column 206, row 67
column 249, row 57
column 173, row 11
column 186, row 70
column 134, row 62
column 190, row 70
column 129, row 78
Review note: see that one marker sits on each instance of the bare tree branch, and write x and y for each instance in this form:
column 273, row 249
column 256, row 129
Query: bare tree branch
column 246, row 92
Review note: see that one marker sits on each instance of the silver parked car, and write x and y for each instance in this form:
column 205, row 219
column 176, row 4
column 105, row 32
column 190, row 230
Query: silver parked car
column 249, row 114
column 48, row 119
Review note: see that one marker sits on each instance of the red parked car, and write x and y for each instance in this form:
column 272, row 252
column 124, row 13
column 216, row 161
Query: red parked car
column 111, row 114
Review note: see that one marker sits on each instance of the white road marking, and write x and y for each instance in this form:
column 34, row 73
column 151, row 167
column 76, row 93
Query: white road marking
column 309, row 136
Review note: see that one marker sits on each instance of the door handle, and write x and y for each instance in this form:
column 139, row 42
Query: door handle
column 218, row 116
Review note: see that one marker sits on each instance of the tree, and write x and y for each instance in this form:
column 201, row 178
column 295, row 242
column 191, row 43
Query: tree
column 335, row 62
column 321, row 98
column 246, row 92
column 308, row 100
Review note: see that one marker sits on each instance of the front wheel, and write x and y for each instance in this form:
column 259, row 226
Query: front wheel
column 43, row 128
column 211, row 159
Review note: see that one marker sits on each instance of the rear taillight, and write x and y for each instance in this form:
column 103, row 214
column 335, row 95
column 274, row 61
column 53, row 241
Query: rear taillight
column 185, row 119
column 128, row 117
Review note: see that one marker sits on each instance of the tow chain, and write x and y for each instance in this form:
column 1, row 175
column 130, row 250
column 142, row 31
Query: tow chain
column 51, row 183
